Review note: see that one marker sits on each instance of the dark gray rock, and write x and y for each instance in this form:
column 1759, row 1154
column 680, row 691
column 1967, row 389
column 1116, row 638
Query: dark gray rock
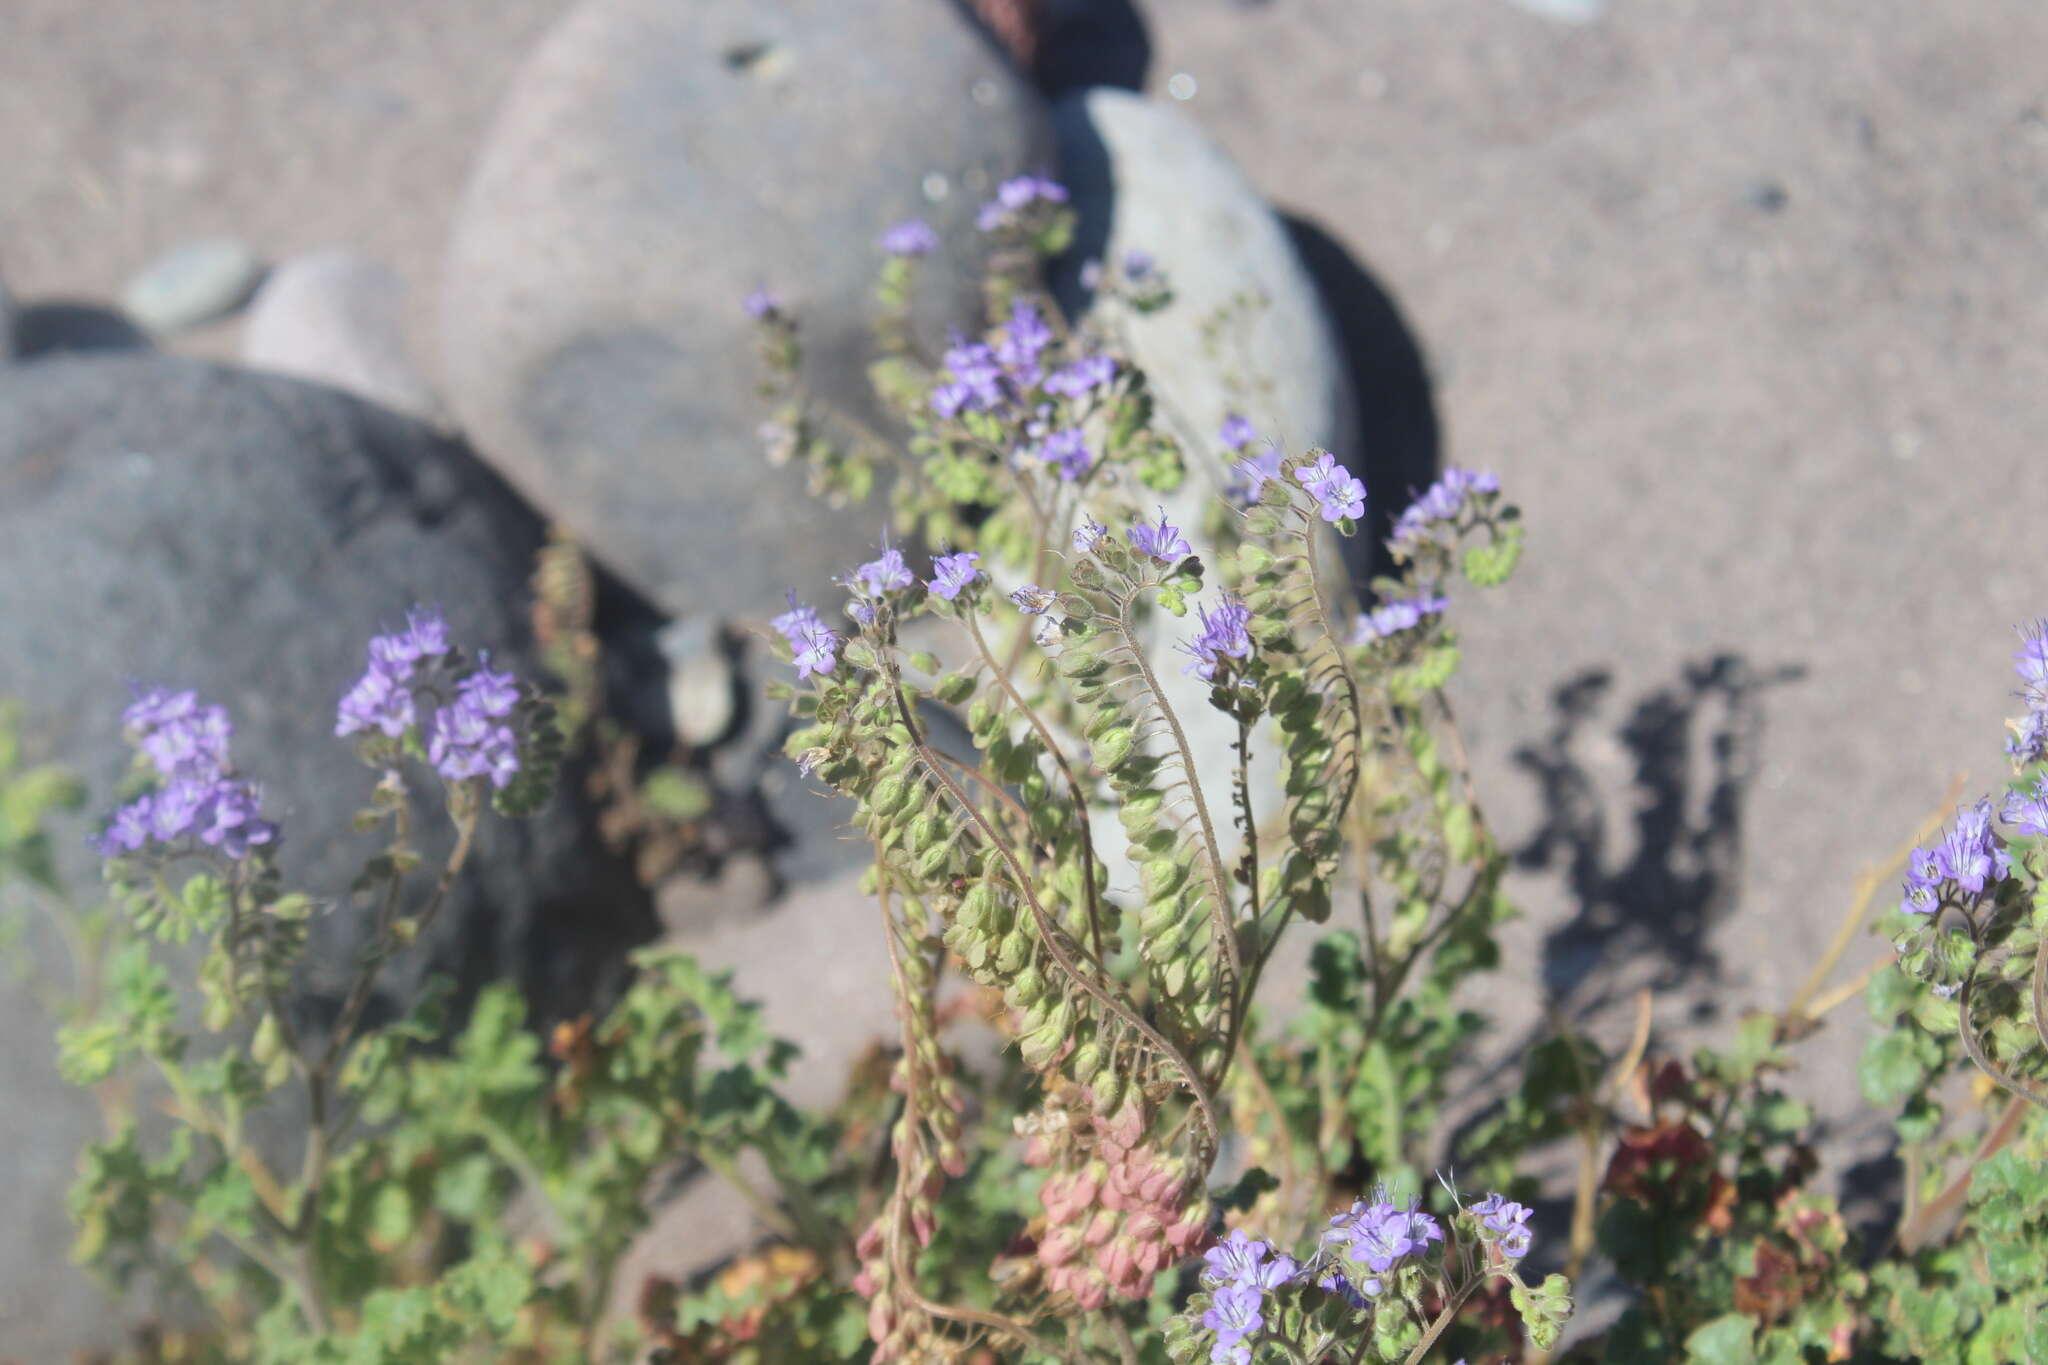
column 337, row 318
column 192, row 284
column 6, row 324
column 652, row 164
column 65, row 326
column 169, row 521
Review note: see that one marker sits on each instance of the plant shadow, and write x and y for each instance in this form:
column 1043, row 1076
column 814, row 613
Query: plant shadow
column 1694, row 745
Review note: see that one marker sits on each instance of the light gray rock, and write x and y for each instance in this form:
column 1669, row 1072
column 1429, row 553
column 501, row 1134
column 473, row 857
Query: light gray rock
column 1144, row 177
column 652, row 164
column 173, row 522
column 191, row 284
column 703, row 690
column 337, row 318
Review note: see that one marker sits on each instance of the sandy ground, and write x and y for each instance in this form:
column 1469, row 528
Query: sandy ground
column 1742, row 300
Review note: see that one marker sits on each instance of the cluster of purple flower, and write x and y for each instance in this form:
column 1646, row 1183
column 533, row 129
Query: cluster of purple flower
column 1504, row 1223
column 1014, row 196
column 1379, row 1234
column 815, row 644
column 1067, row 451
column 912, row 237
column 1082, row 377
column 1162, row 544
column 1224, row 635
column 2026, row 810
column 1968, row 858
column 876, row 579
column 1253, row 469
column 472, row 736
column 1239, row 1275
column 187, row 744
column 2029, row 742
column 1337, row 494
column 1391, row 618
column 985, row 378
column 1439, row 505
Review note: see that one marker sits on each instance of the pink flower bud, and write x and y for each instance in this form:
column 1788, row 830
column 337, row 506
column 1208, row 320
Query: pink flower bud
column 1101, row 1228
column 1059, row 1248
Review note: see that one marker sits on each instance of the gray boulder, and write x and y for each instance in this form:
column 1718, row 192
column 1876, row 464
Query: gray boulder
column 165, row 520
column 337, row 318
column 652, row 164
column 6, row 324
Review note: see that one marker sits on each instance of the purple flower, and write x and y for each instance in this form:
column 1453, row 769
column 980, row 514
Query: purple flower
column 2029, row 740
column 2031, row 663
column 1137, row 264
column 1223, row 635
column 951, row 573
column 1033, row 600
column 1237, row 432
column 1507, row 1223
column 1083, row 377
column 1392, row 618
column 1334, row 1282
column 1233, row 1260
column 1252, row 471
column 1088, row 535
column 1233, row 1315
column 230, row 819
column 912, row 237
column 1969, row 853
column 1025, row 336
column 425, row 637
column 1337, row 494
column 817, row 649
column 1923, row 883
column 1161, row 543
column 976, row 384
column 194, row 740
column 798, row 618
column 1440, row 503
column 381, row 698
column 188, row 744
column 885, row 573
column 1066, row 451
column 2027, row 810
column 761, row 305
column 1378, row 1235
column 464, row 742
column 490, row 694
column 1014, row 196
column 128, row 830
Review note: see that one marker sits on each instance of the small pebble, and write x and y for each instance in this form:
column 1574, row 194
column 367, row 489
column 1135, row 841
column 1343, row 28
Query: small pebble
column 192, row 284
column 1563, row 11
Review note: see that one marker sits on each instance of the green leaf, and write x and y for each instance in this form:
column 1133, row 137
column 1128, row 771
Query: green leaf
column 1727, row 1340
column 1894, row 1066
